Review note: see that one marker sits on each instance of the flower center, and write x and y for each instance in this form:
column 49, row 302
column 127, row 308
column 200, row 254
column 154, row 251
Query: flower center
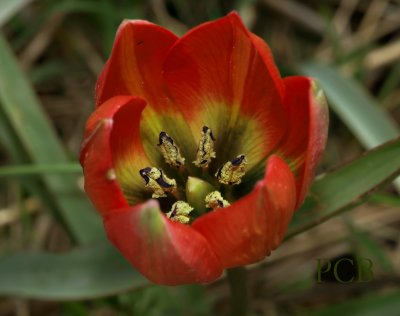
column 228, row 174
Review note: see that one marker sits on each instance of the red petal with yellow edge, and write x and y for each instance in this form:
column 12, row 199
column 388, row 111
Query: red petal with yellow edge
column 165, row 252
column 106, row 143
column 308, row 116
column 135, row 64
column 218, row 77
column 250, row 228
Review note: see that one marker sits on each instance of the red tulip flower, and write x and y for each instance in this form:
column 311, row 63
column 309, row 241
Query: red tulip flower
column 198, row 152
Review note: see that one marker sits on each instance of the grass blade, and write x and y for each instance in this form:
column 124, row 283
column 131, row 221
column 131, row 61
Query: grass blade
column 369, row 122
column 9, row 7
column 346, row 186
column 41, row 146
column 27, row 170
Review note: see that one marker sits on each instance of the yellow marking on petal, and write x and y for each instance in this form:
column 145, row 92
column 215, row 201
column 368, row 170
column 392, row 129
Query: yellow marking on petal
column 170, row 151
column 236, row 132
column 205, row 151
column 318, row 93
column 157, row 181
column 294, row 162
column 151, row 221
column 153, row 123
column 180, row 211
column 232, row 171
column 215, row 200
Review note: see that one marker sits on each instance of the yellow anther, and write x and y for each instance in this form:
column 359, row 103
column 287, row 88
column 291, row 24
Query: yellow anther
column 157, row 181
column 205, row 152
column 170, row 150
column 215, row 200
column 180, row 211
column 232, row 171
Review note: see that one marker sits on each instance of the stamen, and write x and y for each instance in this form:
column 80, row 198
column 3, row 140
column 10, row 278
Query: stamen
column 157, row 181
column 215, row 200
column 205, row 151
column 232, row 171
column 170, row 151
column 180, row 211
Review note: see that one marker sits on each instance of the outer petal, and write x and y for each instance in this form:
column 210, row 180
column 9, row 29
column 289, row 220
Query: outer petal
column 249, row 229
column 135, row 64
column 164, row 251
column 102, row 189
column 218, row 77
column 112, row 148
column 308, row 116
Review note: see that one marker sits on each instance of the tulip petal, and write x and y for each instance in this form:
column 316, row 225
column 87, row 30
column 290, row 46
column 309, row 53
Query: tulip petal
column 112, row 154
column 135, row 68
column 266, row 54
column 308, row 115
column 135, row 64
column 218, row 77
column 165, row 252
column 96, row 168
column 250, row 228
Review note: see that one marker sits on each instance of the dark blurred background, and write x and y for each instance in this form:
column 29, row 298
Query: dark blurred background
column 62, row 45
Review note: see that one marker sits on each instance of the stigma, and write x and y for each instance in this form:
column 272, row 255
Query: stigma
column 157, row 181
column 205, row 151
column 215, row 200
column 180, row 211
column 232, row 171
column 170, row 150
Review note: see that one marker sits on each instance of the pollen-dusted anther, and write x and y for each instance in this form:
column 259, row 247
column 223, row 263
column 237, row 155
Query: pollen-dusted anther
column 170, row 150
column 180, row 211
column 157, row 181
column 215, row 200
column 232, row 171
column 205, row 151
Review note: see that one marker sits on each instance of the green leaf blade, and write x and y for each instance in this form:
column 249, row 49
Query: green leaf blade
column 39, row 142
column 371, row 124
column 346, row 186
column 84, row 273
column 9, row 7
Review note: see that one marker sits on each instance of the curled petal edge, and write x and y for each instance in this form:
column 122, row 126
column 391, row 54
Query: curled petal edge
column 96, row 155
column 307, row 110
